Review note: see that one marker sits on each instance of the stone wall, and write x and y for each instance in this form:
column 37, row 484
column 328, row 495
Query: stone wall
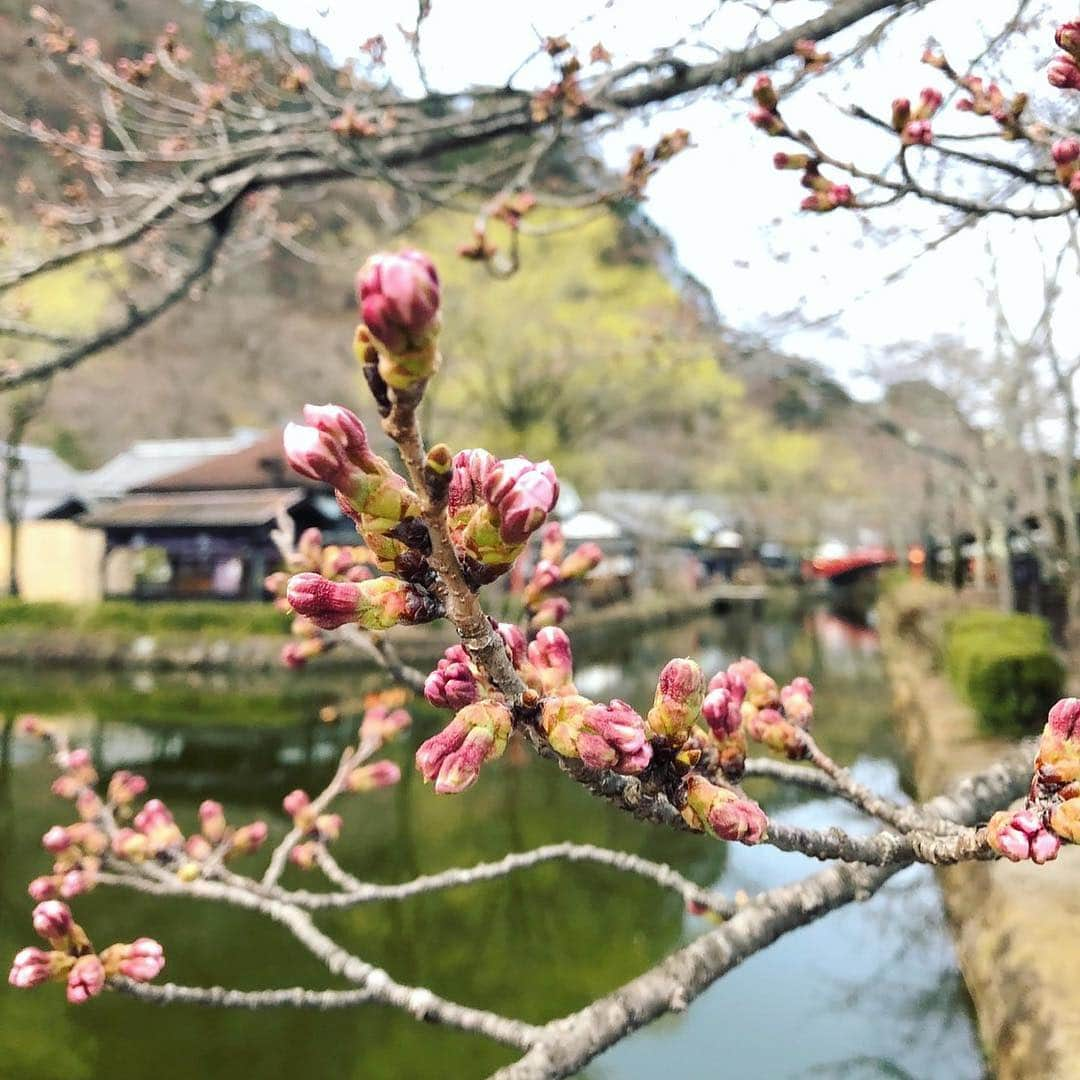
column 1017, row 926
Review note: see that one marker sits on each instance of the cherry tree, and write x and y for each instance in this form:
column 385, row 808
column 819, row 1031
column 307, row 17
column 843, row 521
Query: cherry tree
column 433, row 537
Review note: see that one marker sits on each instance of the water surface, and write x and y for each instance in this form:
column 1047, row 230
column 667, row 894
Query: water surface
column 869, row 991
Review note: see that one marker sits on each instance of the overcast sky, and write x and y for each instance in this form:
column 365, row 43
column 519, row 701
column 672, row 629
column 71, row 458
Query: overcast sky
column 734, row 220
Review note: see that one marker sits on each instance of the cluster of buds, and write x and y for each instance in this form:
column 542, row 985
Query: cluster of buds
column 399, row 300
column 71, row 958
column 722, row 711
column 494, row 506
column 553, row 569
column 644, row 163
column 351, row 124
column 824, row 194
column 775, row 717
column 991, row 101
column 452, row 759
column 1066, row 155
column 913, row 124
column 765, row 115
column 611, row 736
column 564, row 97
column 1052, row 812
column 1064, row 70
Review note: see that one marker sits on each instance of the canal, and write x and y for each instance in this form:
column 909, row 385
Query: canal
column 870, row 991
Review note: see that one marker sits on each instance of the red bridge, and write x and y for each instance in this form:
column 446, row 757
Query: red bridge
column 846, row 568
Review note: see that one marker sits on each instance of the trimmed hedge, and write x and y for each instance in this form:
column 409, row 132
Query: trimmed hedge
column 1006, row 668
column 221, row 618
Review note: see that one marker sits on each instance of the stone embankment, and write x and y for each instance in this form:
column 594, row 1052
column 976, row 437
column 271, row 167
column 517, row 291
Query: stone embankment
column 1016, row 926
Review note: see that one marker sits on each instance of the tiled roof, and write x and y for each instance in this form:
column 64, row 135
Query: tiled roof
column 194, row 509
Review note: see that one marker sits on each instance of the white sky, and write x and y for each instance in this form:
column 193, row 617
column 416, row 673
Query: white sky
column 734, row 219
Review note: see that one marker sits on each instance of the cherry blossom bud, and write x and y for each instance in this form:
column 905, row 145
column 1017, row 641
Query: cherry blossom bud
column 1067, row 37
column 153, row 815
column 383, row 724
column 550, row 654
column 56, row 840
column 620, row 728
column 562, row 719
column 680, row 691
column 345, row 428
column 917, row 132
column 790, row 161
column 470, row 473
column 379, row 774
column 901, row 113
column 1020, row 835
column 769, row 727
column 33, row 966
column 318, row 456
column 130, row 845
column 453, row 757
column 552, row 542
column 125, row 786
column 1064, row 73
column 296, row 654
column 721, row 713
column 76, row 882
column 212, row 820
column 767, row 121
column 722, row 813
column 514, row 640
column 303, row 855
column 1044, row 847
column 545, row 576
column 549, row 612
column 452, row 685
column 732, row 681
column 934, row 59
column 85, row 980
column 377, row 604
column 295, row 802
column 198, row 847
column 1064, row 719
column 43, row 888
column 765, row 93
column 761, row 690
column 66, row 786
column 584, row 558
column 796, row 699
column 52, row 920
column 399, row 299
column 328, row 826
column 249, row 838
column 521, row 494
column 929, row 103
column 145, row 959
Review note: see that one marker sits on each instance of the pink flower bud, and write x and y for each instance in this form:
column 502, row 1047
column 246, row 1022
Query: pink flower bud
column 721, row 713
column 680, row 691
column 766, row 120
column 52, row 920
column 295, row 801
column 549, row 612
column 521, row 494
column 1064, row 73
column 1067, row 37
column 1044, row 847
column 790, row 161
column 618, row 725
column 432, row 752
column 328, row 604
column 379, row 774
column 328, row 826
column 901, row 113
column 550, row 654
column 478, row 733
column 318, row 456
column 731, row 681
column 31, row 967
column 722, row 813
column 583, row 559
column 1007, row 834
column 66, row 786
column 153, row 815
column 765, row 93
column 43, row 888
column 212, row 820
column 197, row 847
column 76, row 882
column 383, row 724
column 249, row 838
column 130, row 845
column 303, row 855
column 461, row 768
column 85, row 980
column 125, row 786
column 470, row 472
column 144, row 961
column 452, row 685
column 56, row 840
column 87, row 804
column 917, row 132
column 514, row 640
column 929, row 102
column 76, row 759
column 1064, row 719
column 399, row 299
column 345, row 428
column 552, row 542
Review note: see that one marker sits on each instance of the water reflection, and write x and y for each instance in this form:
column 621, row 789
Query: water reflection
column 842, row 998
